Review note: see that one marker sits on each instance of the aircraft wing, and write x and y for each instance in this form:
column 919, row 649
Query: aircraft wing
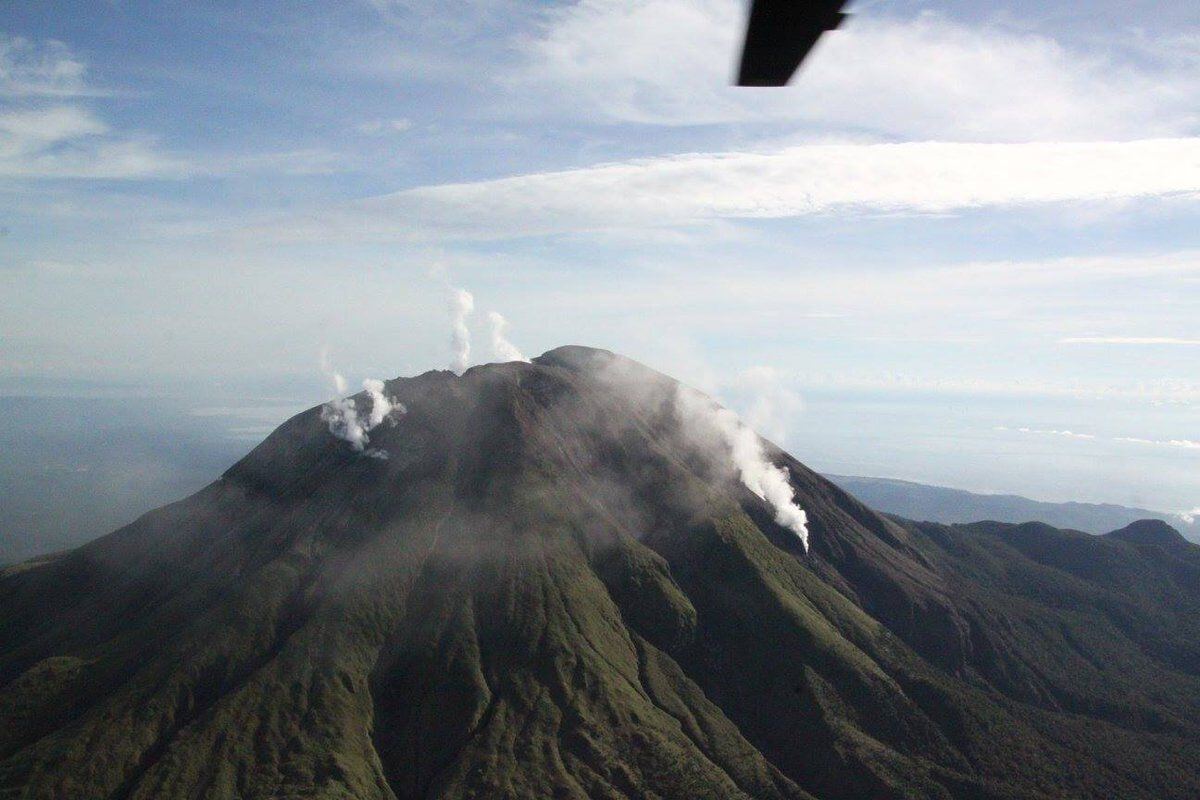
column 780, row 34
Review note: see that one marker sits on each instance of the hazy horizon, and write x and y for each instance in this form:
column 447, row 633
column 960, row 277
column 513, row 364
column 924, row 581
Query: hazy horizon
column 960, row 250
column 94, row 460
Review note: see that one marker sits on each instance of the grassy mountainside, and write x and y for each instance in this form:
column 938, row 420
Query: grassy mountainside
column 550, row 590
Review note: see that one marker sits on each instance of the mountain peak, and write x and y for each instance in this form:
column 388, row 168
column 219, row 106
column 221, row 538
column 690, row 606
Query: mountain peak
column 576, row 355
column 557, row 583
column 1149, row 531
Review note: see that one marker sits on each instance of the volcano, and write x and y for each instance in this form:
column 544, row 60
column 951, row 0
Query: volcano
column 551, row 587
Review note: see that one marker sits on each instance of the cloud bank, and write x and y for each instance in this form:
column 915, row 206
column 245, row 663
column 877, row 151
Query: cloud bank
column 1051, row 432
column 659, row 62
column 805, row 180
column 1186, row 444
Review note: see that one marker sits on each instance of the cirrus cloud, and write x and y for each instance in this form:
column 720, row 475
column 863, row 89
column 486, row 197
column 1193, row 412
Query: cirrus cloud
column 41, row 69
column 659, row 62
column 912, row 178
column 46, row 131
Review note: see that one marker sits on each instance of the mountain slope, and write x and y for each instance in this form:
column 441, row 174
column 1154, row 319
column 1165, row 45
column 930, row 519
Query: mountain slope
column 553, row 588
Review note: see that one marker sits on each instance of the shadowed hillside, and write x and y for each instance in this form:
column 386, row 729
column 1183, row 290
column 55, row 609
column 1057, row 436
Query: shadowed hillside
column 552, row 587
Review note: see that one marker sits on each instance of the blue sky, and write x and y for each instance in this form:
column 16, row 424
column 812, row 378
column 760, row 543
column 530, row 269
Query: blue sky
column 968, row 217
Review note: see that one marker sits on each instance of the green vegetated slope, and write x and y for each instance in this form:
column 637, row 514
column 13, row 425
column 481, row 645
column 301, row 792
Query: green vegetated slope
column 551, row 589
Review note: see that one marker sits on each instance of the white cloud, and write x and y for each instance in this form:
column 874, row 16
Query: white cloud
column 1186, row 444
column 669, row 62
column 1151, row 340
column 66, row 141
column 46, row 131
column 1051, row 432
column 376, row 127
column 1190, row 516
column 106, row 160
column 30, row 129
column 52, row 139
column 41, row 69
column 925, row 177
column 929, row 303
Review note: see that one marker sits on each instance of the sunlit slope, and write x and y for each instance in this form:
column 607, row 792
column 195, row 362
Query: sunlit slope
column 550, row 589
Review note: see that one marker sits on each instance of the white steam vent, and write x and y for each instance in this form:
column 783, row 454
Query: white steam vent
column 720, row 431
column 462, row 305
column 342, row 416
column 502, row 348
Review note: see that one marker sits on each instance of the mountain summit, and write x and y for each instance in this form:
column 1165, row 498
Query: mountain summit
column 553, row 579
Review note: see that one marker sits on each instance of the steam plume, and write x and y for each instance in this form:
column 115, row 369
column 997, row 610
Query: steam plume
column 339, row 382
column 462, row 304
column 720, row 428
column 342, row 417
column 381, row 405
column 502, row 348
column 772, row 404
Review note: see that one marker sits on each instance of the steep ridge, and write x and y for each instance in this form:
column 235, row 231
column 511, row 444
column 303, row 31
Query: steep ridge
column 552, row 588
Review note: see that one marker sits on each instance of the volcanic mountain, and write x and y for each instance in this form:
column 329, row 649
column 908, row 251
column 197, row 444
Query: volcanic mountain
column 552, row 587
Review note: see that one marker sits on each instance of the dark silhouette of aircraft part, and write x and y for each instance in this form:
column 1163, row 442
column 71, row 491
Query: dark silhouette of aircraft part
column 780, row 34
